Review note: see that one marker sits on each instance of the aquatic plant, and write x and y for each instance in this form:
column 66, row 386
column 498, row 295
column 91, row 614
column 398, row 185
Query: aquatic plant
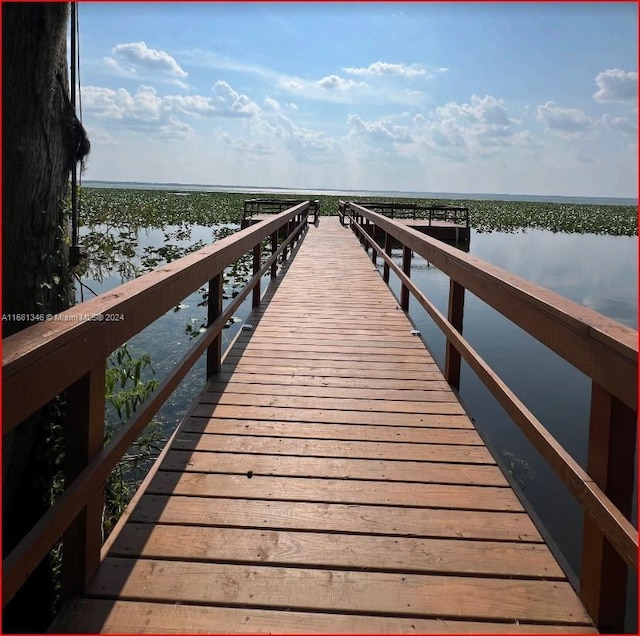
column 134, row 209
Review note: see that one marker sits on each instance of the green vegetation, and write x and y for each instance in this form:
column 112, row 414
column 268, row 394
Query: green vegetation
column 135, row 209
column 127, row 386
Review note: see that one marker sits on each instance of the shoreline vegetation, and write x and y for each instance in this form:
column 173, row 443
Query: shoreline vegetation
column 147, row 208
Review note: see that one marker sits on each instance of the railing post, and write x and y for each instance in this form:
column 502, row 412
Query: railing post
column 388, row 246
column 454, row 315
column 610, row 462
column 257, row 256
column 214, row 309
column 374, row 253
column 83, row 439
column 406, row 268
column 274, row 248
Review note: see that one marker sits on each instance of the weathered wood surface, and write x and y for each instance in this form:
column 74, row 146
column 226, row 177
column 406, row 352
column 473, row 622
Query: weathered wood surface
column 329, row 481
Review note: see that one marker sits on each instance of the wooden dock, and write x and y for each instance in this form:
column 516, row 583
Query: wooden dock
column 441, row 230
column 328, row 480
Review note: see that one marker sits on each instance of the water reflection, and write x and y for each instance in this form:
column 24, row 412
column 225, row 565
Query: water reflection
column 594, row 270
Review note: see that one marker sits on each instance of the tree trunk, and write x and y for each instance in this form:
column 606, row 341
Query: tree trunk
column 41, row 138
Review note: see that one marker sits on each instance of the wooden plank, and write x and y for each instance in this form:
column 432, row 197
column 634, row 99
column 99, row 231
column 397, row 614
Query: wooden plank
column 398, row 373
column 231, row 411
column 336, row 551
column 304, row 589
column 350, row 355
column 334, row 468
column 271, row 328
column 399, row 368
column 448, row 405
column 338, row 381
column 319, row 391
column 360, row 519
column 321, row 430
column 344, row 313
column 133, row 617
column 303, row 342
column 297, row 447
column 336, row 491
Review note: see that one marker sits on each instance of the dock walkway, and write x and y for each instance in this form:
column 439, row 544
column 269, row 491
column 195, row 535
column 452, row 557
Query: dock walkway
column 328, row 480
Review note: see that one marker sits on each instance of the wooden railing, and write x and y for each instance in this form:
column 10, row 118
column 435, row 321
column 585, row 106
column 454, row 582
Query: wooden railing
column 448, row 213
column 273, row 206
column 604, row 350
column 69, row 354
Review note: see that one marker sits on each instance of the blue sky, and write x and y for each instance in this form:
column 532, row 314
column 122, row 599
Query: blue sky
column 533, row 98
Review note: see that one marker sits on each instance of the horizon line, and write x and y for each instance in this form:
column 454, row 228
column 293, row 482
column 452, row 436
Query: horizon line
column 240, row 187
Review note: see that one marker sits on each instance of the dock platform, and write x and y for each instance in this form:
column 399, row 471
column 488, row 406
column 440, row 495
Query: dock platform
column 328, row 480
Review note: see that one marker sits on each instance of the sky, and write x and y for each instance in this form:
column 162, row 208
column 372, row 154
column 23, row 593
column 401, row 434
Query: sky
column 512, row 98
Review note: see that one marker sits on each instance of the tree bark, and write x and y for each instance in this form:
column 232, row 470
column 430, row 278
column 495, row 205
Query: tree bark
column 41, row 137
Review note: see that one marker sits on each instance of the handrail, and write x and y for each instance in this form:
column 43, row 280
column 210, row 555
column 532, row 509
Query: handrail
column 450, row 213
column 567, row 328
column 42, row 360
column 141, row 301
column 270, row 206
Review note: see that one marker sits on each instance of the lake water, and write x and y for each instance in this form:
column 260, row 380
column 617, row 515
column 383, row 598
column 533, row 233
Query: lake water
column 597, row 271
column 471, row 196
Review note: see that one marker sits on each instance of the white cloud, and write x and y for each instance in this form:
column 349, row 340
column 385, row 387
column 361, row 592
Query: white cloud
column 390, row 69
column 140, row 56
column 566, row 122
column 246, row 147
column 382, row 131
column 627, row 124
column 331, row 88
column 119, row 104
column 225, row 102
column 272, row 104
column 302, row 141
column 337, row 83
column 144, row 112
column 147, row 112
column 229, row 103
column 459, row 132
column 615, row 85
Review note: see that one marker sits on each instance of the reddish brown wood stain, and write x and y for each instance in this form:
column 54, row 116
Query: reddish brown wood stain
column 372, row 506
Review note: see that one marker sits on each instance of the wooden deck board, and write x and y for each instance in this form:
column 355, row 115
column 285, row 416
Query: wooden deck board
column 296, row 447
column 154, row 618
column 334, row 468
column 337, row 518
column 307, row 589
column 329, row 481
column 373, row 553
column 340, row 432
